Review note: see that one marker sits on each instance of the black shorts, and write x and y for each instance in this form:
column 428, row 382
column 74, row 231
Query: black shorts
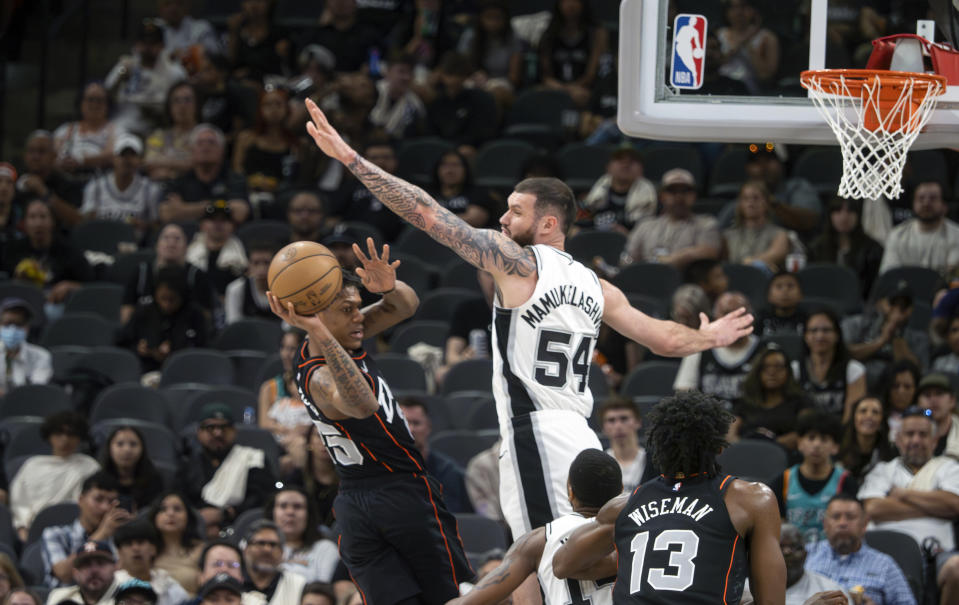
column 398, row 540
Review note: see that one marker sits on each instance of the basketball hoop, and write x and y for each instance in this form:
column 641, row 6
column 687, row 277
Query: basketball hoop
column 876, row 115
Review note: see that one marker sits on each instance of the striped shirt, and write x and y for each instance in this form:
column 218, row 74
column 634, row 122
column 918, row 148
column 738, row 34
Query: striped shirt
column 876, row 572
column 59, row 542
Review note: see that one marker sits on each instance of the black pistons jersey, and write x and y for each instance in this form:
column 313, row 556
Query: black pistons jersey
column 362, row 448
column 677, row 545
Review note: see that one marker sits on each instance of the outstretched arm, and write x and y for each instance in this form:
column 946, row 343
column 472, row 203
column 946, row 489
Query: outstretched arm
column 669, row 338
column 520, row 561
column 378, row 274
column 483, row 248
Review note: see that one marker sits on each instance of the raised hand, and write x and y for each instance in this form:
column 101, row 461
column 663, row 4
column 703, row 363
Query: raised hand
column 326, row 137
column 729, row 328
column 378, row 273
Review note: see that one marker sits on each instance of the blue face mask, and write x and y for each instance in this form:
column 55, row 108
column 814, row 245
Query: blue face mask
column 12, row 336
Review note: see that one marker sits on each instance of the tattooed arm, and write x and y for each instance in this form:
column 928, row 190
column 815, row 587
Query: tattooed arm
column 520, row 561
column 483, row 248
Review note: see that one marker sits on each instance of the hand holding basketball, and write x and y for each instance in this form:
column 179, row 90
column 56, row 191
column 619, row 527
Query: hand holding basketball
column 307, row 323
column 378, row 273
column 327, row 139
column 306, row 274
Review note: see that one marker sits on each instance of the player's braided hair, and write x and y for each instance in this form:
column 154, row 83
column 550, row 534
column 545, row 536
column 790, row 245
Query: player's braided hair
column 685, row 433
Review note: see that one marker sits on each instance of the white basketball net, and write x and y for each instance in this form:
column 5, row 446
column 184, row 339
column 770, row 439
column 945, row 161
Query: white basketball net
column 873, row 159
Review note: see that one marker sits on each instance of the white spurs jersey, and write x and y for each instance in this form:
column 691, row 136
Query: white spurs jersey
column 542, row 348
column 568, row 591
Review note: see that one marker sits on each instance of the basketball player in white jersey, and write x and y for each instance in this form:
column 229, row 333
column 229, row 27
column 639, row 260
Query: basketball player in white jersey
column 547, row 313
column 594, row 479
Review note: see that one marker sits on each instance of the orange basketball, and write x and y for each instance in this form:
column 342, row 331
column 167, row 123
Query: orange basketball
column 306, row 274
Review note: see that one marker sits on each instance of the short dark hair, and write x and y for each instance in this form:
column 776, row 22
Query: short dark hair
column 100, row 480
column 210, row 545
column 173, row 277
column 595, row 478
column 263, row 246
column 311, row 534
column 66, row 421
column 414, row 402
column 618, row 403
column 698, row 271
column 686, row 432
column 138, row 529
column 780, row 275
column 191, row 535
column 320, row 588
column 551, row 194
column 818, row 421
column 844, row 497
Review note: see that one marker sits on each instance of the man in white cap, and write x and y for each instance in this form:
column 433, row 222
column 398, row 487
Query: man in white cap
column 123, row 194
column 676, row 237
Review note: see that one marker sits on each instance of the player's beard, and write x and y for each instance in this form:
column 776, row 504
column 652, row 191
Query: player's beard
column 523, row 239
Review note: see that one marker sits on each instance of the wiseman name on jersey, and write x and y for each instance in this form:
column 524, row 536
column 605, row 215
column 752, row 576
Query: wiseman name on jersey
column 670, row 506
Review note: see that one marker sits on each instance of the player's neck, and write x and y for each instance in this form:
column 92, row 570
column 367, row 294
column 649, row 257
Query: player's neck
column 587, row 511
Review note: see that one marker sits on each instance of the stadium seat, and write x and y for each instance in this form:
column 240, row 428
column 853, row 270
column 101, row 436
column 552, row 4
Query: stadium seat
column 85, row 329
column 753, row 460
column 923, row 282
column 33, row 296
column 418, row 158
column 103, row 235
column 460, row 274
column 103, row 299
column 921, row 316
column 469, row 375
column 811, row 304
column 162, row 444
column 7, row 535
column 498, row 163
column 462, row 445
column 583, row 165
column 728, row 173
column 131, row 401
column 418, row 243
column 479, row 533
column 460, row 404
column 822, row 167
column 541, row 116
column 253, row 436
column 659, row 159
column 597, row 381
column 251, row 333
column 125, row 265
column 31, row 564
column 414, row 272
column 270, row 368
column 197, row 365
column 264, row 231
column 246, row 367
column 654, row 307
column 834, row 282
column 439, row 304
column 431, row 332
column 34, row 400
column 116, row 363
column 751, row 281
column 244, row 520
column 12, row 425
column 401, row 372
column 791, row 344
column 926, row 165
column 362, row 231
column 649, row 279
column 586, row 244
column 238, row 399
column 481, row 414
column 63, row 513
column 907, row 554
column 650, row 378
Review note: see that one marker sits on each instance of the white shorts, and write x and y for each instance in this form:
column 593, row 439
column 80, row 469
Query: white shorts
column 534, row 461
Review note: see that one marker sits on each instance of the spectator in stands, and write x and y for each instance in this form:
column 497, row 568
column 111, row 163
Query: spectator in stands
column 212, row 473
column 41, row 178
column 398, row 111
column 124, row 456
column 918, row 492
column 708, row 274
column 844, row 242
column 804, row 490
column 446, row 470
column 882, row 334
column 21, row 362
column 168, row 154
column 459, row 114
column 929, row 240
column 180, row 543
column 46, row 259
column 263, row 553
column 124, row 194
column 306, row 215
column 137, row 544
column 570, row 48
column 10, row 579
column 354, row 202
column 495, row 51
column 865, row 438
column 140, row 81
column 453, row 189
column 305, row 551
column 85, row 146
column 135, row 588
column 318, row 593
column 720, row 371
column 754, row 239
column 714, row 81
column 621, row 197
column 182, row 33
column 267, row 153
column 257, row 47
column 945, row 306
column 222, row 101
column 170, row 323
column 677, row 236
column 209, row 181
column 470, row 334
column 93, row 570
column 99, row 517
column 826, row 371
column 898, row 388
column 620, row 422
column 750, row 52
column 351, row 41
column 280, row 410
column 936, row 394
column 782, row 315
column 44, row 480
column 687, row 303
column 216, row 249
column 795, row 203
column 246, row 296
column 221, row 558
column 22, row 596
column 949, row 362
column 8, row 218
column 171, row 248
column 222, row 590
column 482, row 482
column 771, row 400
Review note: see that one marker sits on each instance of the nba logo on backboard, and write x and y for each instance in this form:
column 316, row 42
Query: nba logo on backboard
column 689, row 51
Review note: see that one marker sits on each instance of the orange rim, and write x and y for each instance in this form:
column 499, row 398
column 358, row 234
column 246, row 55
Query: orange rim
column 831, row 81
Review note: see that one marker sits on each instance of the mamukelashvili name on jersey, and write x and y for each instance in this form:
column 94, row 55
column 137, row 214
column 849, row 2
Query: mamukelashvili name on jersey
column 566, row 294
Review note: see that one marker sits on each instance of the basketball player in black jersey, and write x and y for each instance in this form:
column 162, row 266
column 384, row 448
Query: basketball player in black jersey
column 397, row 539
column 682, row 538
